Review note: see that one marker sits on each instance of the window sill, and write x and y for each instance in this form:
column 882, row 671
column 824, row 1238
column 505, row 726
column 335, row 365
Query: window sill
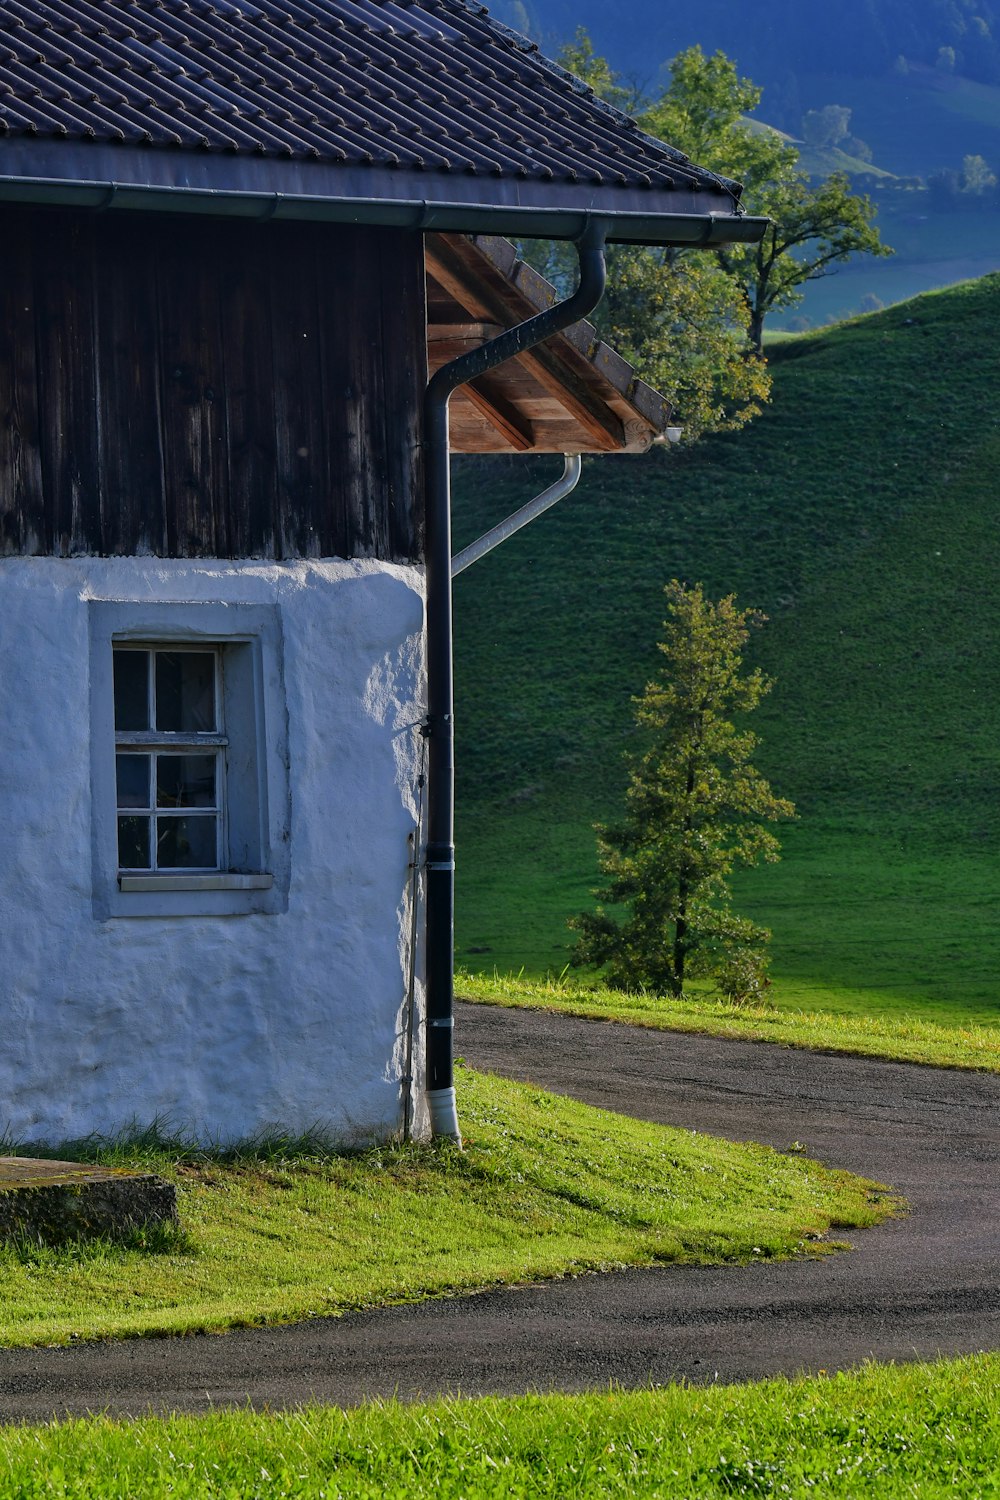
column 217, row 881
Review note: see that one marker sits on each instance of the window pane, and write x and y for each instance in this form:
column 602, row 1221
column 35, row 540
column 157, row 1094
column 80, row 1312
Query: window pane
column 133, row 780
column 133, row 843
column 186, row 843
column 185, row 780
column 131, row 689
column 185, row 691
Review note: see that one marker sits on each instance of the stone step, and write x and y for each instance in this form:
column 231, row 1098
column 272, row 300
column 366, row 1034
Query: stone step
column 50, row 1202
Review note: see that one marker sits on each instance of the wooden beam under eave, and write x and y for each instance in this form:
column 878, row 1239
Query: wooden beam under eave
column 586, row 408
column 454, row 279
column 501, row 414
column 445, row 263
column 462, row 333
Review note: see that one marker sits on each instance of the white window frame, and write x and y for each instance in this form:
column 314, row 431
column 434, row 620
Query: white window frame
column 152, row 742
column 254, row 859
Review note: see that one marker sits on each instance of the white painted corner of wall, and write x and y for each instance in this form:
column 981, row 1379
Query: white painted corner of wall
column 226, row 1025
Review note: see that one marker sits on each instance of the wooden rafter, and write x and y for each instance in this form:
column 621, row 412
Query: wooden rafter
column 591, row 413
column 448, row 268
column 447, row 340
column 501, row 414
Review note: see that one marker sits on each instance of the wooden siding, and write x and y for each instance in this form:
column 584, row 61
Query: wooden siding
column 209, row 388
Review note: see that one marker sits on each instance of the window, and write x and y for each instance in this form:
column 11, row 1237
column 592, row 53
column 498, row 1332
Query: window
column 170, row 768
column 188, row 760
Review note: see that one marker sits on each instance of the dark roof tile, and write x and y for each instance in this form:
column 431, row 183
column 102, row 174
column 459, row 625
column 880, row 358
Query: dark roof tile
column 435, row 85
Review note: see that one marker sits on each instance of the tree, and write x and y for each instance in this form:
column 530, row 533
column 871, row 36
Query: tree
column 674, row 314
column 696, row 334
column 814, row 226
column 812, row 229
column 977, row 179
column 695, row 809
column 827, row 126
column 678, row 318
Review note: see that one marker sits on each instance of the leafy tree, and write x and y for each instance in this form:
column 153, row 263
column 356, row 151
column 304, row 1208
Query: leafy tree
column 814, row 226
column 973, row 187
column 703, row 110
column 679, row 319
column 827, row 126
column 674, row 314
column 692, row 323
column 812, row 229
column 977, row 179
column 695, row 809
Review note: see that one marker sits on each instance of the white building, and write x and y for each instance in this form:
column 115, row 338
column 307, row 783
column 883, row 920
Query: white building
column 236, row 241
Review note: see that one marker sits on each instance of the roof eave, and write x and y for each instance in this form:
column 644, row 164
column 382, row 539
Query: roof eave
column 157, row 180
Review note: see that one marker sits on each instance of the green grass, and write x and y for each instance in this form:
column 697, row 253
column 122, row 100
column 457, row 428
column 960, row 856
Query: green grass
column 858, row 930
column 902, row 1038
column 882, row 1430
column 823, row 161
column 859, row 513
column 545, row 1187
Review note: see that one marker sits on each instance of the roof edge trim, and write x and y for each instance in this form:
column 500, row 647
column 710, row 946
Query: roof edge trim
column 624, row 227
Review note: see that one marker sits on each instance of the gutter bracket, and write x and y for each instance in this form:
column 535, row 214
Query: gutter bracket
column 564, row 485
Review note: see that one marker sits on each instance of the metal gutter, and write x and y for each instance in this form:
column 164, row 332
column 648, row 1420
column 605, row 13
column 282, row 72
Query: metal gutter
column 564, row 485
column 624, row 227
column 440, row 858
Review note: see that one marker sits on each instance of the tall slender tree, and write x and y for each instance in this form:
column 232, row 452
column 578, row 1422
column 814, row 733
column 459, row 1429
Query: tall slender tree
column 695, row 808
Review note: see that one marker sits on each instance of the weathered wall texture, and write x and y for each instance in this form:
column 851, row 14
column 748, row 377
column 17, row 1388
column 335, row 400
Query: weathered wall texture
column 227, row 1025
column 209, row 388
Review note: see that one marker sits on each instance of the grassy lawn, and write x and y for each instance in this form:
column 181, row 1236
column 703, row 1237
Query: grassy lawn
column 905, row 1039
column 889, row 1431
column 860, row 926
column 546, row 1186
column 859, row 513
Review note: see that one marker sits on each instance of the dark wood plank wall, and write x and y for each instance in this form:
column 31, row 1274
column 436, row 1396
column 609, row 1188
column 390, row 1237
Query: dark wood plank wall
column 209, row 388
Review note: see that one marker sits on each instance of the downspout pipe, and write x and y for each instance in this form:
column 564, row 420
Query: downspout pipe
column 440, row 728
column 564, row 485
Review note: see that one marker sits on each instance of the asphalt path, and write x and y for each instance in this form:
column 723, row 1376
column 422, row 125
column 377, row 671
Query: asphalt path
column 917, row 1287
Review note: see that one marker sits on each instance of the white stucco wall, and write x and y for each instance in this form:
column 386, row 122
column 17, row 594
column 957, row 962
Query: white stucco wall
column 224, row 1025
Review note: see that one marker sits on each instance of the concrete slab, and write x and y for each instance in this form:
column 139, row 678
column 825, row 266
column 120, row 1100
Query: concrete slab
column 50, row 1202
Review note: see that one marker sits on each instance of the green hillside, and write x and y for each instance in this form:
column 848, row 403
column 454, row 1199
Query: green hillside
column 860, row 511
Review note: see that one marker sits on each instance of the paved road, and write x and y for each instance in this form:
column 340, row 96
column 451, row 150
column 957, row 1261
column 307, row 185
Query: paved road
column 921, row 1286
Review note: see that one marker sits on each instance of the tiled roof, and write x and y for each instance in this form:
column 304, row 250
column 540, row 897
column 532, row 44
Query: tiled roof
column 428, row 91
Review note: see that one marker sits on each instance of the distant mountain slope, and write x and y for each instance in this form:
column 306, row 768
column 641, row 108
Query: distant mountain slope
column 857, row 37
column 860, row 511
column 919, row 117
